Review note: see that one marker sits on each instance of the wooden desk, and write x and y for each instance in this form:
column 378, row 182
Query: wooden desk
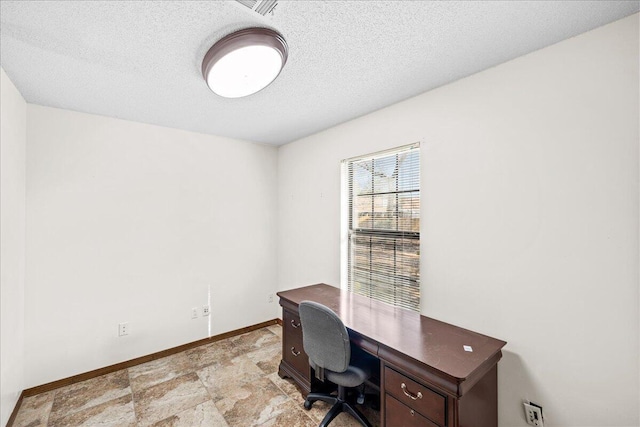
column 458, row 388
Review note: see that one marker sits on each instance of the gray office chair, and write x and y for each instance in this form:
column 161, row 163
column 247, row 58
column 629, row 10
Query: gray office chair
column 326, row 341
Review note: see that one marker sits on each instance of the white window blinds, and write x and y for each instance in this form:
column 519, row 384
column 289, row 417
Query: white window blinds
column 384, row 226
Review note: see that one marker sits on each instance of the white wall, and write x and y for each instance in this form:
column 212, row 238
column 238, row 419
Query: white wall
column 13, row 119
column 530, row 218
column 129, row 222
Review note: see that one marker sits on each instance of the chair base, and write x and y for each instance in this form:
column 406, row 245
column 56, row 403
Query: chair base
column 339, row 404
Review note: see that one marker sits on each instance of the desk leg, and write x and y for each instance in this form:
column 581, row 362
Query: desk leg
column 479, row 406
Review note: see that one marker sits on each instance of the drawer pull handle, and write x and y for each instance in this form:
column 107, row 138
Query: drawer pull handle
column 412, row 412
column 294, row 324
column 403, row 386
column 297, row 353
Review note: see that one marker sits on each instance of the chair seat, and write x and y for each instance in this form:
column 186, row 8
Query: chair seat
column 354, row 375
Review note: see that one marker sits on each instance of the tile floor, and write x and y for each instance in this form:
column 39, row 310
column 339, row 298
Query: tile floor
column 229, row 383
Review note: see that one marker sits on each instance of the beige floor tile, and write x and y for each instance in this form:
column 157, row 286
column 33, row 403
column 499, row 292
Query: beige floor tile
column 222, row 379
column 213, row 354
column 287, row 414
column 203, row 415
column 253, row 340
column 84, row 395
column 171, row 397
column 252, row 404
column 118, row 412
column 34, row 411
column 276, row 329
column 267, row 357
column 287, row 385
column 158, row 371
column 229, row 383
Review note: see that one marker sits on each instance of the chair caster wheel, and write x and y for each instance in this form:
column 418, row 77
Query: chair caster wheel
column 307, row 405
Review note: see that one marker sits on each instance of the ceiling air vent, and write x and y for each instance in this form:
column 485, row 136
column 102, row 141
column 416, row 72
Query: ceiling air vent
column 261, row 6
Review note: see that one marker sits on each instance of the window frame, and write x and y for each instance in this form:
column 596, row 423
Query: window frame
column 349, row 233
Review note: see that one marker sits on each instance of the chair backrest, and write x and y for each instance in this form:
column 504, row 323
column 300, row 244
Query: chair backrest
column 325, row 338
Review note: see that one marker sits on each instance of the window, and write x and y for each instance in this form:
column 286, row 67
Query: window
column 383, row 226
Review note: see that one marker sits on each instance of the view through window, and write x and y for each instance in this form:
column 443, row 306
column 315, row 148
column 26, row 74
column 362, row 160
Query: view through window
column 383, row 254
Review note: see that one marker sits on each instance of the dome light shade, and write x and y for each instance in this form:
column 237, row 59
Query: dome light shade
column 244, row 62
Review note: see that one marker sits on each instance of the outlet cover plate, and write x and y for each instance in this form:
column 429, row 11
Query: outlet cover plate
column 123, row 329
column 533, row 414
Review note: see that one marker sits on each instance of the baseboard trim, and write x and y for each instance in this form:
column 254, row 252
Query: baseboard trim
column 14, row 414
column 133, row 362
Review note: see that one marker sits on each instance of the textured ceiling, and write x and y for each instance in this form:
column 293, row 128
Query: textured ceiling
column 141, row 60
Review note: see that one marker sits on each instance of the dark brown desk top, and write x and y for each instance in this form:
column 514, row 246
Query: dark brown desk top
column 429, row 341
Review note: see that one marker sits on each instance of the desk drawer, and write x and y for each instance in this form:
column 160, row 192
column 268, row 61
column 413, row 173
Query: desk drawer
column 398, row 415
column 415, row 396
column 291, row 324
column 292, row 349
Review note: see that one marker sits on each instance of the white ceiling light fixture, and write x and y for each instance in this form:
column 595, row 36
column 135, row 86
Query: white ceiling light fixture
column 244, row 62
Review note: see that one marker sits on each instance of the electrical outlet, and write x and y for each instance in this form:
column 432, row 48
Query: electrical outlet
column 270, row 298
column 533, row 414
column 205, row 310
column 123, row 329
column 194, row 313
